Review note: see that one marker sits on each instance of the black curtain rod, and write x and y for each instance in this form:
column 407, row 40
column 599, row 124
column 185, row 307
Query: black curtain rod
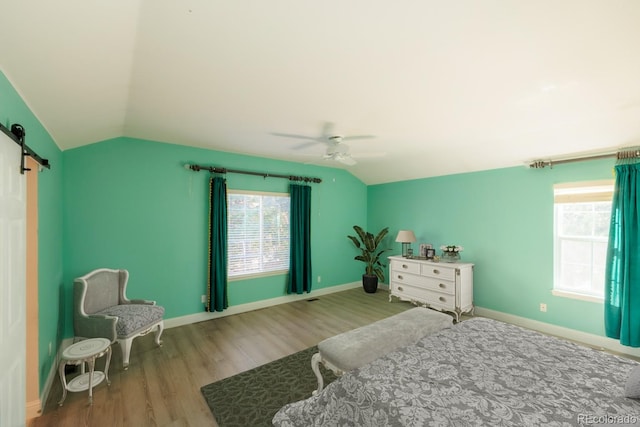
column 214, row 169
column 16, row 133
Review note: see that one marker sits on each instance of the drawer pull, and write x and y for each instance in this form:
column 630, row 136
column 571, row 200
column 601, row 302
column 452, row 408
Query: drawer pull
column 400, row 277
column 405, row 266
column 442, row 285
column 400, row 288
column 442, row 299
column 436, row 271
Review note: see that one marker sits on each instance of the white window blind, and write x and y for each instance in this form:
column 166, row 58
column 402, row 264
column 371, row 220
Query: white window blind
column 581, row 232
column 257, row 233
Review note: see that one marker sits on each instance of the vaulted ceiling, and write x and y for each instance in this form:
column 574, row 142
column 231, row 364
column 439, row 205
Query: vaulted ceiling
column 443, row 86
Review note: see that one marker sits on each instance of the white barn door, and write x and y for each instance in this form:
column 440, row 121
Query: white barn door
column 12, row 285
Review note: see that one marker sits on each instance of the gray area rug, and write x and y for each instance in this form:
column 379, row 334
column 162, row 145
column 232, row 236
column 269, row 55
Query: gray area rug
column 253, row 397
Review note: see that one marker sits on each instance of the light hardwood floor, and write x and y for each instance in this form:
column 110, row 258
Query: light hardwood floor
column 162, row 385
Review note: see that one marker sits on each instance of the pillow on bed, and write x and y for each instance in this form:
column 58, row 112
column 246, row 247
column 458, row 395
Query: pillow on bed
column 632, row 388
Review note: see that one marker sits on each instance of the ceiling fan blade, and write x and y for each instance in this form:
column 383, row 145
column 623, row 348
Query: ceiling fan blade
column 352, row 137
column 306, row 145
column 293, row 135
column 327, row 130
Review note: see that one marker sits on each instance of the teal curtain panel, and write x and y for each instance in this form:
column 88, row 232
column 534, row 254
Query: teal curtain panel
column 217, row 277
column 622, row 277
column 300, row 240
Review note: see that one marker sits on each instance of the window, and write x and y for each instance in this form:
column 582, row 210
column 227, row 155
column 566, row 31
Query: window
column 257, row 233
column 581, row 232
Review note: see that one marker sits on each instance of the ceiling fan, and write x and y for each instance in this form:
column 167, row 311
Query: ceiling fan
column 336, row 148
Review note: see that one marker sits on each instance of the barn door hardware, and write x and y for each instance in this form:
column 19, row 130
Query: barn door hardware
column 17, row 133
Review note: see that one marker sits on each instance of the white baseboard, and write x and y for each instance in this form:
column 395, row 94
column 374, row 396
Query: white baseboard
column 242, row 308
column 592, row 340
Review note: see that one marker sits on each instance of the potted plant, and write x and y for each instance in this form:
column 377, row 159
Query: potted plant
column 368, row 244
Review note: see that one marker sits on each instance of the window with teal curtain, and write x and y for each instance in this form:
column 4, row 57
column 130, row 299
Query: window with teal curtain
column 300, row 243
column 622, row 277
column 217, row 277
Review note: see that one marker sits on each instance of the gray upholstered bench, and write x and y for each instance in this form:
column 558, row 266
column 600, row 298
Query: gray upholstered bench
column 360, row 346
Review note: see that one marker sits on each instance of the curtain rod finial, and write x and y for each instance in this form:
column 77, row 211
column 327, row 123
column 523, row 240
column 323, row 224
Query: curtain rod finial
column 187, row 166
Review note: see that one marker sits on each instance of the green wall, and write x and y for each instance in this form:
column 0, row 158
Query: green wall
column 14, row 110
column 131, row 204
column 504, row 220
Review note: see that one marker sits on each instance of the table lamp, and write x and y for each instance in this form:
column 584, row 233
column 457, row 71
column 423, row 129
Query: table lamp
column 406, row 237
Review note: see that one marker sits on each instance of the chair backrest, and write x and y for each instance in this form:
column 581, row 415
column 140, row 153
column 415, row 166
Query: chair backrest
column 103, row 288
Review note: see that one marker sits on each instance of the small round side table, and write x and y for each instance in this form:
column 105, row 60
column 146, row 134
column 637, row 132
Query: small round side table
column 82, row 352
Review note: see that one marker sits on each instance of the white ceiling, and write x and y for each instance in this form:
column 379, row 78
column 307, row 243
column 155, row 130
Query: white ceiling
column 445, row 86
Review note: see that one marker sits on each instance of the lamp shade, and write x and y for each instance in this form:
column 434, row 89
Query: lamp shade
column 405, row 236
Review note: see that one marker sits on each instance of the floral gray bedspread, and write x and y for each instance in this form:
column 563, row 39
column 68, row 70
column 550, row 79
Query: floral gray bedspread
column 480, row 372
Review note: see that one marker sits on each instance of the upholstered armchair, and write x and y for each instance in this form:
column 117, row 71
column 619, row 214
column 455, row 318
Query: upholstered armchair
column 102, row 310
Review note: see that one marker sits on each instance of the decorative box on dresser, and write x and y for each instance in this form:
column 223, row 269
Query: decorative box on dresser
column 439, row 285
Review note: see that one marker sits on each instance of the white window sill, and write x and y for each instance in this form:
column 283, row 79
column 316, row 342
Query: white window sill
column 574, row 295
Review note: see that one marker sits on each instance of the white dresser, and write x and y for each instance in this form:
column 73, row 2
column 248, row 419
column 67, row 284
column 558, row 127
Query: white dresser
column 440, row 285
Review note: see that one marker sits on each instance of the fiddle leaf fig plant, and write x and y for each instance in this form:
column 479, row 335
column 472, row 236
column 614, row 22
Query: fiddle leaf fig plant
column 368, row 244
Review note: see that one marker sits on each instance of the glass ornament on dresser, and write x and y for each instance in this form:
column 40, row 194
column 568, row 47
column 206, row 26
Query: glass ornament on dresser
column 451, row 253
column 450, row 256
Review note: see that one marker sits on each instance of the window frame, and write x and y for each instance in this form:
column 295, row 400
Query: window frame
column 574, row 193
column 252, row 275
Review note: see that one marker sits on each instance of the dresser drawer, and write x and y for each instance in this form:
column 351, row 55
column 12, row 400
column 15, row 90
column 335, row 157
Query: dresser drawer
column 408, row 278
column 405, row 266
column 439, row 285
column 443, row 301
column 436, row 299
column 439, row 271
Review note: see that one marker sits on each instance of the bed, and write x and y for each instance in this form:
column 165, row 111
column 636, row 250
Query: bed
column 479, row 372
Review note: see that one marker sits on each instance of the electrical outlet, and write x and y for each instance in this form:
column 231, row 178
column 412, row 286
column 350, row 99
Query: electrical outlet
column 543, row 307
column 319, row 279
column 203, row 299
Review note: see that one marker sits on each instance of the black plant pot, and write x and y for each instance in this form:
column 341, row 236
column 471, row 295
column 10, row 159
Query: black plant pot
column 370, row 283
